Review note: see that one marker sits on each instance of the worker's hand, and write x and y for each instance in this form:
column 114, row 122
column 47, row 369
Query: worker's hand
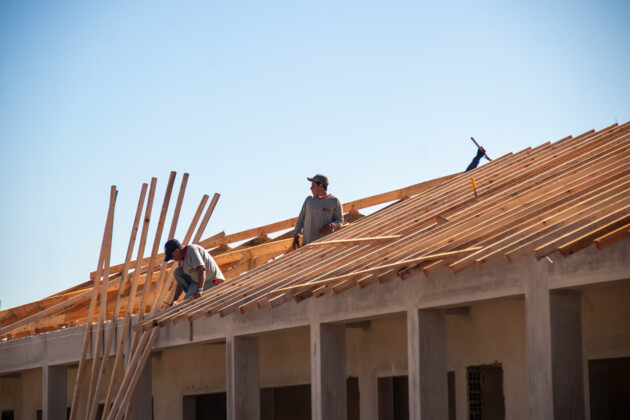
column 197, row 295
column 296, row 242
column 480, row 152
column 326, row 229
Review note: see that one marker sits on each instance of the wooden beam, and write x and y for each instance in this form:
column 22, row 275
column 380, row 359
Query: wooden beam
column 376, row 269
column 613, row 237
column 586, row 239
column 88, row 327
column 356, row 241
column 268, row 248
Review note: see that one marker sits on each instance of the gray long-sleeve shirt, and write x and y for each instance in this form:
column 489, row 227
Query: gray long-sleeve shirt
column 316, row 213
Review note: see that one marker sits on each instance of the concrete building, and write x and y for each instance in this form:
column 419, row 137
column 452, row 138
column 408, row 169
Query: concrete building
column 401, row 324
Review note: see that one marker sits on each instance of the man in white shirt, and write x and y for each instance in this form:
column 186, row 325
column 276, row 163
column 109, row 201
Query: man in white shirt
column 197, row 269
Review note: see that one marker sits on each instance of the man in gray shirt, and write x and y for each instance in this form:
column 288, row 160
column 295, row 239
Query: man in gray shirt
column 197, row 269
column 320, row 215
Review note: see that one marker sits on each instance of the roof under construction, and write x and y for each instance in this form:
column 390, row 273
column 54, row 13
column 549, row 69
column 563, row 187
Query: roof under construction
column 551, row 201
column 544, row 203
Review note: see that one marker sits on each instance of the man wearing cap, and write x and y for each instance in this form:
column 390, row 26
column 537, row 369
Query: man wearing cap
column 320, row 215
column 197, row 269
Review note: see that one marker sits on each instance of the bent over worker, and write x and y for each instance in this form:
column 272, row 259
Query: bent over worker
column 321, row 213
column 197, row 269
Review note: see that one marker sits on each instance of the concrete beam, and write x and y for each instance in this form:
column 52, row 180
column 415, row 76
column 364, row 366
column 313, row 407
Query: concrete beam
column 243, row 390
column 426, row 341
column 328, row 372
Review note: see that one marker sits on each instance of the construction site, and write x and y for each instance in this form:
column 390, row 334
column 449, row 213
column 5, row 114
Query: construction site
column 498, row 293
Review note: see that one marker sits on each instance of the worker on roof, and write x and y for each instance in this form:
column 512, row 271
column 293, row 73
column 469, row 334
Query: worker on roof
column 475, row 162
column 320, row 215
column 197, row 269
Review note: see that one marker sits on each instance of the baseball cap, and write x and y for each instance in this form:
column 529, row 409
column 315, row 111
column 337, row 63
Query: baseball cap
column 170, row 246
column 322, row 179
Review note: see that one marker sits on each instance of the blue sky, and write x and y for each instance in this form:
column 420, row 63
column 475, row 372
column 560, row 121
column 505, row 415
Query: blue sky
column 252, row 97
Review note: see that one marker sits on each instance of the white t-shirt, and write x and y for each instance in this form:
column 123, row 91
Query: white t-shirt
column 197, row 256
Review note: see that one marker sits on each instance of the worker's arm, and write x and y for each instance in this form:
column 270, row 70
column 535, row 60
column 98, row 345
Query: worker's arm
column 201, row 279
column 178, row 292
column 299, row 225
column 337, row 220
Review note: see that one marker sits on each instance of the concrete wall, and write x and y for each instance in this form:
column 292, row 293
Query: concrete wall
column 283, row 358
column 22, row 393
column 189, row 370
column 490, row 332
column 605, row 326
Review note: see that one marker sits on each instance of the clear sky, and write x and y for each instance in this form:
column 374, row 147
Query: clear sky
column 252, row 97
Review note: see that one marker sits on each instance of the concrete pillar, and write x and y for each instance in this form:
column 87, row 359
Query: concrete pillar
column 143, row 401
column 242, row 388
column 566, row 356
column 328, row 372
column 554, row 352
column 368, row 391
column 426, row 344
column 54, row 394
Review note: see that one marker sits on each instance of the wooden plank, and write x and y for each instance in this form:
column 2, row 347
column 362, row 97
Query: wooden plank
column 531, row 220
column 613, row 237
column 88, row 327
column 355, row 241
column 156, row 242
column 99, row 370
column 206, row 218
column 585, row 240
column 132, row 294
column 268, row 248
column 538, row 237
column 171, row 234
column 551, row 246
column 376, row 269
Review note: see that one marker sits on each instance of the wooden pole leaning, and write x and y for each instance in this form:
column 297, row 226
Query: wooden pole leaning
column 125, row 405
column 154, row 251
column 98, row 350
column 132, row 293
column 169, row 282
column 88, row 325
column 112, row 330
column 124, row 386
column 171, row 234
column 128, row 389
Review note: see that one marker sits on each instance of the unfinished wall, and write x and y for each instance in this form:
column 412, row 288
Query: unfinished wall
column 492, row 332
column 606, row 321
column 188, row 370
column 22, row 393
column 605, row 326
column 284, row 358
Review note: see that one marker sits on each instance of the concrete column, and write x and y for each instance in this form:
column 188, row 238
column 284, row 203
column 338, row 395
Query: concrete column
column 54, row 394
column 328, row 372
column 554, row 352
column 368, row 391
column 143, row 401
column 426, row 344
column 566, row 354
column 242, row 388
